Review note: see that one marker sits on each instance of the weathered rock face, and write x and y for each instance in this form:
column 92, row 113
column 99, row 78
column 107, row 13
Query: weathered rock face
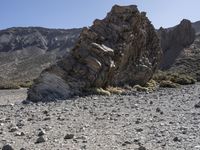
column 196, row 26
column 25, row 52
column 174, row 40
column 188, row 61
column 181, row 48
column 121, row 49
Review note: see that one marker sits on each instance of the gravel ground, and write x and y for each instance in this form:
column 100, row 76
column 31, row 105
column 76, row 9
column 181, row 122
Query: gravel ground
column 163, row 120
column 12, row 96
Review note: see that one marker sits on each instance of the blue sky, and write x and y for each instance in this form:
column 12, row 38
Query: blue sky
column 79, row 13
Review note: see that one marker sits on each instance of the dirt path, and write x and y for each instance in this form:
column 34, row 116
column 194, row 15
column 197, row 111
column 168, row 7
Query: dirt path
column 163, row 120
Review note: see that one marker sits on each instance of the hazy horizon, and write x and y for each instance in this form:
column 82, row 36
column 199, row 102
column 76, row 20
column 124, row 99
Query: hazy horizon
column 64, row 14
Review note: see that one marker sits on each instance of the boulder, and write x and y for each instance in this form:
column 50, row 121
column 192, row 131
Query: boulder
column 121, row 49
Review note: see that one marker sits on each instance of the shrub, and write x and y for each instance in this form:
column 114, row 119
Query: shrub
column 168, row 84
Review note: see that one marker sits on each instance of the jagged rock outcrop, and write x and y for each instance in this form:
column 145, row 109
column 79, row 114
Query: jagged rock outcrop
column 25, row 52
column 196, row 26
column 181, row 48
column 121, row 49
column 174, row 40
column 188, row 61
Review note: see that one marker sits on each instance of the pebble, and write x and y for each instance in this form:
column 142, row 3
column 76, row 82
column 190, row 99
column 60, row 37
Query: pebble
column 20, row 124
column 176, row 139
column 83, row 147
column 13, row 129
column 7, row 147
column 69, row 136
column 197, row 105
column 142, row 148
column 19, row 134
column 158, row 110
column 138, row 121
column 46, row 112
column 41, row 139
column 126, row 143
column 139, row 130
column 41, row 133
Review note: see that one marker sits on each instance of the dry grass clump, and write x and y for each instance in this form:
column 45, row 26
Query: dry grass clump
column 151, row 85
column 140, row 88
column 115, row 90
column 107, row 91
column 148, row 87
column 98, row 91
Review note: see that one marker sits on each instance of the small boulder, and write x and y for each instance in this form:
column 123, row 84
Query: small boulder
column 7, row 147
column 69, row 136
column 197, row 105
column 40, row 139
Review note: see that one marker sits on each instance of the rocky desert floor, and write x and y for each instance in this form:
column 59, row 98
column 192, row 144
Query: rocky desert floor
column 167, row 119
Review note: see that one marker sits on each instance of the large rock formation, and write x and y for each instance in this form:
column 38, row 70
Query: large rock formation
column 25, row 52
column 196, row 26
column 174, row 40
column 181, row 48
column 188, row 61
column 121, row 49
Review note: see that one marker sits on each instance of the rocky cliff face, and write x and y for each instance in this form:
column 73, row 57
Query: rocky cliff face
column 181, row 48
column 25, row 52
column 121, row 49
column 188, row 61
column 174, row 40
column 196, row 26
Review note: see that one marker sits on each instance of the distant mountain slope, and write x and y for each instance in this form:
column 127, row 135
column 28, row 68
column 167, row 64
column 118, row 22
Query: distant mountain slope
column 25, row 52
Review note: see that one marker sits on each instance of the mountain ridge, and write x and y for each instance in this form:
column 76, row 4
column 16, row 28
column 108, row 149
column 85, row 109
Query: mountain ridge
column 26, row 51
